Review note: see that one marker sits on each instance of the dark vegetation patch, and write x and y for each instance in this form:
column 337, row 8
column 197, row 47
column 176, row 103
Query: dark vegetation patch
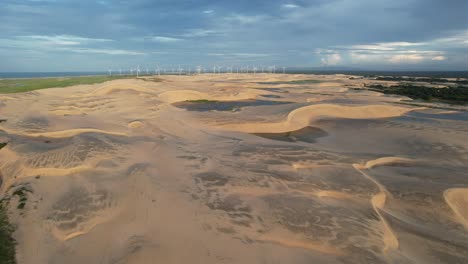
column 151, row 79
column 306, row 134
column 3, row 144
column 454, row 95
column 270, row 96
column 422, row 79
column 210, row 179
column 7, row 242
column 202, row 101
column 22, row 193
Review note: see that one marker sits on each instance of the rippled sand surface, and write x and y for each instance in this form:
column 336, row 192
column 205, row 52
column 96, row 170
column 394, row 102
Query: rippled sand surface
column 261, row 169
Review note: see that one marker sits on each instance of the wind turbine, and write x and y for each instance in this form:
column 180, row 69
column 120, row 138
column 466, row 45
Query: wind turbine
column 284, row 70
column 147, row 71
column 110, row 72
column 157, row 71
column 120, row 71
column 179, row 70
column 138, row 71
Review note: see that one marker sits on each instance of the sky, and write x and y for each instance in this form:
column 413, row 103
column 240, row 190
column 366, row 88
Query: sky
column 89, row 35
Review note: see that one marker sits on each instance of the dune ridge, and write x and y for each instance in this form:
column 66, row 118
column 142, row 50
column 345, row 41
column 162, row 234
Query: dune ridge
column 378, row 200
column 304, row 116
column 457, row 200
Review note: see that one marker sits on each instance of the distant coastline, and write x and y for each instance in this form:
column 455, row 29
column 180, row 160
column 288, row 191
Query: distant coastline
column 435, row 74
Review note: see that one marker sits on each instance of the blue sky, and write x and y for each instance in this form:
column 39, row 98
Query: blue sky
column 85, row 35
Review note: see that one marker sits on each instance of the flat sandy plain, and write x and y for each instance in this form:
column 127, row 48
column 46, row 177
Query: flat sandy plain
column 261, row 169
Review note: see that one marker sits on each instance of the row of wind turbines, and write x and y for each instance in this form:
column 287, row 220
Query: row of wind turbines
column 199, row 70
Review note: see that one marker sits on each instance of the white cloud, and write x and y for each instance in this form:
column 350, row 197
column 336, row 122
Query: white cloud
column 244, row 55
column 406, row 58
column 383, row 46
column 62, row 43
column 163, row 39
column 104, row 51
column 383, row 53
column 208, row 12
column 439, row 58
column 61, row 40
column 243, row 19
column 201, row 33
column 290, row 6
column 331, row 59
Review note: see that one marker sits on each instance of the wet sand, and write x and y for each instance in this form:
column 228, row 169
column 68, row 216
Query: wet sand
column 230, row 168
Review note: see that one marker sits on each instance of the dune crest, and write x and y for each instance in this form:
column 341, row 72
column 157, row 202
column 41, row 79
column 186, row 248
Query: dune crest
column 378, row 200
column 388, row 161
column 304, row 116
column 457, row 199
column 120, row 86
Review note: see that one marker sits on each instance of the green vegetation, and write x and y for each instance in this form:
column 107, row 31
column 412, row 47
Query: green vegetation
column 151, row 79
column 422, row 79
column 7, row 242
column 454, row 95
column 3, row 144
column 203, row 101
column 21, row 192
column 25, row 85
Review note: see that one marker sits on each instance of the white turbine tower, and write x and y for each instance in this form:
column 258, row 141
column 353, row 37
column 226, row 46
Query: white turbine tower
column 284, row 70
column 138, row 71
column 147, row 71
column 120, row 71
column 110, row 72
column 158, row 71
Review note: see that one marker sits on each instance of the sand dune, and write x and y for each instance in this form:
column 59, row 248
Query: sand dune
column 305, row 116
column 317, row 173
column 378, row 200
column 121, row 86
column 388, row 161
column 67, row 133
column 457, row 199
